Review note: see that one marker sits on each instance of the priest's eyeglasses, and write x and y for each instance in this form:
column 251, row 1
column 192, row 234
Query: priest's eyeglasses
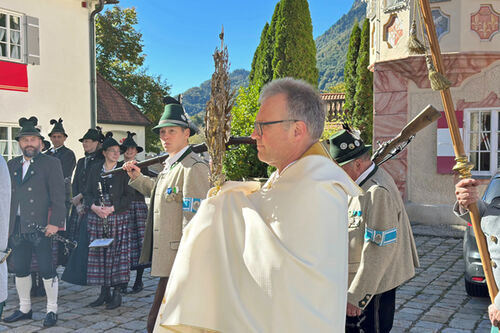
column 258, row 125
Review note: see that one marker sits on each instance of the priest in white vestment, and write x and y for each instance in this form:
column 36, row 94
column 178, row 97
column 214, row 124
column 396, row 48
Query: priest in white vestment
column 270, row 259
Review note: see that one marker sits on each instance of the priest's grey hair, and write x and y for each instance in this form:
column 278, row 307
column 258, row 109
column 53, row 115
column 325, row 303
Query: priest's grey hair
column 303, row 102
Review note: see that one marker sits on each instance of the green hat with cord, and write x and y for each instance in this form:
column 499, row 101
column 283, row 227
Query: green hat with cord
column 346, row 146
column 174, row 115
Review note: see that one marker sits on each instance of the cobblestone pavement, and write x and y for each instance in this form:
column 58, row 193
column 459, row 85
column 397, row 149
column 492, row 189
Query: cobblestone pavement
column 433, row 301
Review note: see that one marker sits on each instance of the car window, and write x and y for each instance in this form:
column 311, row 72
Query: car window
column 492, row 191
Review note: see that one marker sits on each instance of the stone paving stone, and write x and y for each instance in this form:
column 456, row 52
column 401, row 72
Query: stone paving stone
column 56, row 330
column 102, row 326
column 455, row 330
column 134, row 325
column 118, row 330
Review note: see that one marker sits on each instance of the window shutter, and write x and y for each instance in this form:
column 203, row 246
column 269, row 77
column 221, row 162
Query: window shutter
column 32, row 40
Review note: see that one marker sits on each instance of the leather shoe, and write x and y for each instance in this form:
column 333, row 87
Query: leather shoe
column 138, row 287
column 18, row 315
column 50, row 319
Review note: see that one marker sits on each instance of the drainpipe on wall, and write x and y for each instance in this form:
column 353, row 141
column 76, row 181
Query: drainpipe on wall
column 92, row 46
column 93, row 85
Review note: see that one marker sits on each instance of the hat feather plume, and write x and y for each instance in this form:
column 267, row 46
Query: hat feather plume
column 53, row 121
column 109, row 135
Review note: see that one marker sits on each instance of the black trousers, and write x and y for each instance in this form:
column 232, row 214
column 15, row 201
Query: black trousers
column 377, row 317
column 23, row 245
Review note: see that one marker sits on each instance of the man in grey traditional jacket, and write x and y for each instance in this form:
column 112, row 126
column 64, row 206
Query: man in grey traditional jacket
column 382, row 252
column 175, row 196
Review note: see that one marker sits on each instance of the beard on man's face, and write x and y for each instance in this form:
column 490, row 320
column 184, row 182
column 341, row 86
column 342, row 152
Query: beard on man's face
column 30, row 151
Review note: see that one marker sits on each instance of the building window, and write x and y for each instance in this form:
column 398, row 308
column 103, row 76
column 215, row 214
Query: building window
column 481, row 140
column 11, row 36
column 9, row 148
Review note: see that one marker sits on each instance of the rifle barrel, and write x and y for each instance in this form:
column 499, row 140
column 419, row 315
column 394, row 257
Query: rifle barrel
column 199, row 148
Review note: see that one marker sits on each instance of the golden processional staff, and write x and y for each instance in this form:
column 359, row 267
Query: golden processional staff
column 463, row 166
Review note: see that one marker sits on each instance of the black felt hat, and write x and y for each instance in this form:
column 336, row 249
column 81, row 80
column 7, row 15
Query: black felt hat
column 346, row 146
column 58, row 127
column 28, row 128
column 94, row 135
column 129, row 142
column 110, row 142
column 46, row 145
column 91, row 134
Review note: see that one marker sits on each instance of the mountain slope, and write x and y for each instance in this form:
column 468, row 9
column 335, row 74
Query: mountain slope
column 332, row 46
column 195, row 99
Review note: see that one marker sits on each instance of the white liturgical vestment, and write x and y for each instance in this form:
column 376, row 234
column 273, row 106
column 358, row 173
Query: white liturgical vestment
column 267, row 260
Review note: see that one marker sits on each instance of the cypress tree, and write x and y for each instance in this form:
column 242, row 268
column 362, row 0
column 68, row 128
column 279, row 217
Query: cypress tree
column 256, row 69
column 294, row 47
column 363, row 98
column 350, row 67
column 262, row 67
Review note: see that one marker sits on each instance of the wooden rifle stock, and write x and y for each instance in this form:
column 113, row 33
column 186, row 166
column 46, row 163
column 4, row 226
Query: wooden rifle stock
column 199, row 148
column 426, row 117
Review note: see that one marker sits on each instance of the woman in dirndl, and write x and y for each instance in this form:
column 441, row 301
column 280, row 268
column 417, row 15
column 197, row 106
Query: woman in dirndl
column 108, row 198
column 138, row 216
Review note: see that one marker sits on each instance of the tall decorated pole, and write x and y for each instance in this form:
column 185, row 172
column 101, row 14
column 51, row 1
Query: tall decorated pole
column 463, row 166
column 218, row 116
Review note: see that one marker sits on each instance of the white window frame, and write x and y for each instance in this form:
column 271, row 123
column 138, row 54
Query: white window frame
column 494, row 129
column 10, row 140
column 22, row 40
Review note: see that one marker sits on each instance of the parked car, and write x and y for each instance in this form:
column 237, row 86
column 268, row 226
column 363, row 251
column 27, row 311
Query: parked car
column 475, row 282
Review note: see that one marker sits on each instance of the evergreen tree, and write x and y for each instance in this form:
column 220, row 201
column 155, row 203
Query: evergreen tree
column 262, row 64
column 363, row 99
column 119, row 59
column 351, row 66
column 242, row 161
column 257, row 61
column 294, row 48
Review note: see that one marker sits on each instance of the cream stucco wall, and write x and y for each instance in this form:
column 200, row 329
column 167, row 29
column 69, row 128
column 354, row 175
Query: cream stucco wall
column 425, row 185
column 120, row 132
column 60, row 85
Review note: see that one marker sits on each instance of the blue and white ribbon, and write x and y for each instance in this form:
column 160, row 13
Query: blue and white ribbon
column 191, row 204
column 381, row 238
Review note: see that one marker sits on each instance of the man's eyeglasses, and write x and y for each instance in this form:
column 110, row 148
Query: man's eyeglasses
column 258, row 125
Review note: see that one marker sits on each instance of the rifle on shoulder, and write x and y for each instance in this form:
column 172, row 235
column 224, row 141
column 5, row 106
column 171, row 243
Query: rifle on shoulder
column 391, row 148
column 199, row 148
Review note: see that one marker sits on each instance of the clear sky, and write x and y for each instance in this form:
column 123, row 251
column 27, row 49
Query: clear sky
column 180, row 36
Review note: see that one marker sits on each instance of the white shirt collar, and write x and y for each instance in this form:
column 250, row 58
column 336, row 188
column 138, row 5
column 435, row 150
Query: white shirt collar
column 276, row 175
column 172, row 159
column 365, row 174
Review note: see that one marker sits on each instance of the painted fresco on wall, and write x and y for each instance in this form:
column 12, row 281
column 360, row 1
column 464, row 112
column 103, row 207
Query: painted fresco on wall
column 485, row 22
column 393, row 31
column 393, row 5
column 441, row 21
